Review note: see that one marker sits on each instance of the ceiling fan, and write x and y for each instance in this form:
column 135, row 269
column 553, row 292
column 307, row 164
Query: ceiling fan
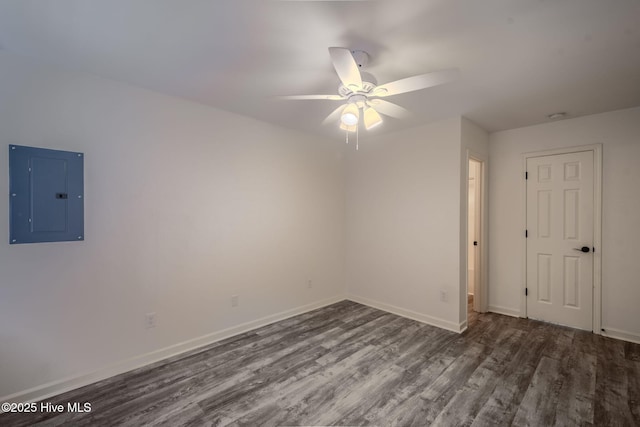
column 362, row 94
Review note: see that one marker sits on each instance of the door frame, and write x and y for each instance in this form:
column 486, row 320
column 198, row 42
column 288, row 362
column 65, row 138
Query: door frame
column 596, row 310
column 480, row 297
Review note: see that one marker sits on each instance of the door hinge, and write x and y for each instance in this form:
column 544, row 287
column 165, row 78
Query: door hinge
column 526, row 233
column 526, row 175
column 526, row 292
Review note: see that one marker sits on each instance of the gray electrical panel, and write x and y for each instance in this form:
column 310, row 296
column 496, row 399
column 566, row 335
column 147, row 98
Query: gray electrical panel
column 46, row 195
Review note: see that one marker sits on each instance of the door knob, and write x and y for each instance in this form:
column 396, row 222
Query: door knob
column 584, row 249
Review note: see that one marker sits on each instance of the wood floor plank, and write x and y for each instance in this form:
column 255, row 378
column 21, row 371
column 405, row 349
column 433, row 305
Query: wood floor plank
column 438, row 394
column 612, row 405
column 464, row 406
column 633, row 373
column 349, row 364
column 538, row 407
column 357, row 337
column 368, row 394
column 313, row 391
column 578, row 377
column 339, row 385
column 435, row 342
column 403, row 402
column 575, row 401
column 632, row 351
column 540, row 404
column 501, row 407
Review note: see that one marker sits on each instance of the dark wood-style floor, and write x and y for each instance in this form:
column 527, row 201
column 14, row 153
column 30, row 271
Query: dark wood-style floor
column 348, row 364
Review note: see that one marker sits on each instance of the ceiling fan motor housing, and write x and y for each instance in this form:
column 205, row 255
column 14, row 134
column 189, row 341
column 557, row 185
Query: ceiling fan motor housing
column 361, row 57
column 367, row 88
column 359, row 100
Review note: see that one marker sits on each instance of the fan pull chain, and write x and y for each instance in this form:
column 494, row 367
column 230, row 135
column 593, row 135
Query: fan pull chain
column 357, row 136
column 347, row 135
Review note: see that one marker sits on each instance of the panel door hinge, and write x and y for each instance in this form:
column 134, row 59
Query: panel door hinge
column 526, row 233
column 526, row 175
column 526, row 292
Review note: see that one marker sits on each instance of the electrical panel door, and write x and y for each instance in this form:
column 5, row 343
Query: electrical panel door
column 46, row 195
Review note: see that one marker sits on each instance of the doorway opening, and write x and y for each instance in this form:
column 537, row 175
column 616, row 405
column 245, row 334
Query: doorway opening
column 476, row 245
column 474, row 226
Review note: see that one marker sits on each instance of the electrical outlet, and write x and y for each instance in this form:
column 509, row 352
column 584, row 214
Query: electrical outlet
column 309, row 284
column 235, row 300
column 150, row 320
column 444, row 296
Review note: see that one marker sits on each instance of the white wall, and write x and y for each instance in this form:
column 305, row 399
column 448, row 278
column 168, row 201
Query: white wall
column 403, row 223
column 619, row 132
column 185, row 205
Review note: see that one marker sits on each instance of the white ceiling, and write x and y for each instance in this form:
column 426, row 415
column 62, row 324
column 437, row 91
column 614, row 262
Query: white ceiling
column 520, row 60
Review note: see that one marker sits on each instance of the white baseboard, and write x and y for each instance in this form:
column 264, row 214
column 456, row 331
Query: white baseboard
column 410, row 314
column 503, row 310
column 463, row 326
column 70, row 383
column 621, row 335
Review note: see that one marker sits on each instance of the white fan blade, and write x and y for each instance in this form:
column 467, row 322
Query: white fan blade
column 389, row 108
column 346, row 67
column 334, row 116
column 297, row 97
column 419, row 82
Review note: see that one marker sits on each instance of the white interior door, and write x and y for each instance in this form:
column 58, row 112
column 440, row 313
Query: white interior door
column 560, row 207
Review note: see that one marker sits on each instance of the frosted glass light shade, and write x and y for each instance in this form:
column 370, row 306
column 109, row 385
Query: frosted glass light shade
column 348, row 128
column 371, row 118
column 350, row 115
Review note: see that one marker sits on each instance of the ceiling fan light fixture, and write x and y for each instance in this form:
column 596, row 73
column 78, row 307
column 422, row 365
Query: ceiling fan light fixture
column 349, row 119
column 348, row 128
column 360, row 89
column 350, row 115
column 371, row 118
